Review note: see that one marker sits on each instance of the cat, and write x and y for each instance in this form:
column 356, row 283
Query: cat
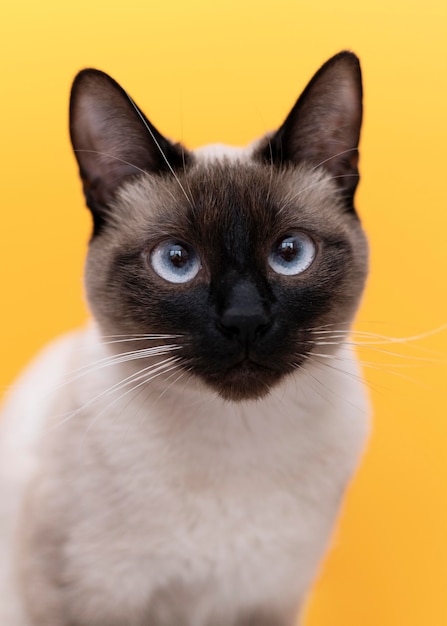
column 182, row 461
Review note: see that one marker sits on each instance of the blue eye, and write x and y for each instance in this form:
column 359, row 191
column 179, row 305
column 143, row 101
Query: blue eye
column 175, row 261
column 292, row 254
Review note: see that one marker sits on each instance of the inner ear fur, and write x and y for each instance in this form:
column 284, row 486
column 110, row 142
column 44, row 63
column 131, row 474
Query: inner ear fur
column 323, row 127
column 113, row 140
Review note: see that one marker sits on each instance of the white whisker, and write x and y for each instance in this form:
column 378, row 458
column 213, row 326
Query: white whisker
column 149, row 130
column 364, row 345
column 142, row 380
column 390, row 368
column 411, row 357
column 127, row 338
column 335, row 367
column 314, row 185
column 386, row 338
column 111, row 156
column 379, row 366
column 171, row 384
column 334, row 156
column 117, row 359
column 117, row 386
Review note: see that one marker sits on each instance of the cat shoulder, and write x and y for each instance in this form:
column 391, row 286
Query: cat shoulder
column 38, row 392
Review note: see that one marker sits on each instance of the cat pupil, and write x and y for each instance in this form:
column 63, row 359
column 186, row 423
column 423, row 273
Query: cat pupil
column 178, row 256
column 289, row 250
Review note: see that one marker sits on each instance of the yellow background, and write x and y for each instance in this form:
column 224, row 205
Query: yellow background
column 228, row 71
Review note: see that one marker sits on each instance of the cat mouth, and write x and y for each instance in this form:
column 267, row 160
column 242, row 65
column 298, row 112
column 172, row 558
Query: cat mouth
column 248, row 364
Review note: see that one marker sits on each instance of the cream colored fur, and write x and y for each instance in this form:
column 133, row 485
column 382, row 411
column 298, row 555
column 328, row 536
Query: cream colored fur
column 170, row 481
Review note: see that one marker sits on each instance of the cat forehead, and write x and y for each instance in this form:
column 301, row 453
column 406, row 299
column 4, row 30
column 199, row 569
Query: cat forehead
column 221, row 152
column 225, row 189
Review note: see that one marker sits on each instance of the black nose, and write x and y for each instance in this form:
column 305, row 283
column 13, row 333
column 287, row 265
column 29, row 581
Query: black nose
column 244, row 324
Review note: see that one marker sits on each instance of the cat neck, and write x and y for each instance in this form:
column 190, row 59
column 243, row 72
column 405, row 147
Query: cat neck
column 316, row 406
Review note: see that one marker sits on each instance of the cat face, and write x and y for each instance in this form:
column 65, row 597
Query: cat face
column 243, row 257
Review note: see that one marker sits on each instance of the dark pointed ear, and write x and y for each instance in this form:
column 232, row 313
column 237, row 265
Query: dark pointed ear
column 323, row 127
column 113, row 140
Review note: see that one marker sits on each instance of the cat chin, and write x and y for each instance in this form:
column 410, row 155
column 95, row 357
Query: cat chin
column 245, row 381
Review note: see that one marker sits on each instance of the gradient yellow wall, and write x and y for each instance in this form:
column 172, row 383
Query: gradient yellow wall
column 228, row 71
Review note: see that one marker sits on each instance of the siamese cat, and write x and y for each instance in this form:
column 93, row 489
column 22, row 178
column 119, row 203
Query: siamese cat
column 183, row 460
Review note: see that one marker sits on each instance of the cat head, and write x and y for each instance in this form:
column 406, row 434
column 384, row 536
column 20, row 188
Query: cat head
column 243, row 254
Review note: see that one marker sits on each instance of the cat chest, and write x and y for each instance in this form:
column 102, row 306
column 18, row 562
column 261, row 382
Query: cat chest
column 237, row 510
column 189, row 546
